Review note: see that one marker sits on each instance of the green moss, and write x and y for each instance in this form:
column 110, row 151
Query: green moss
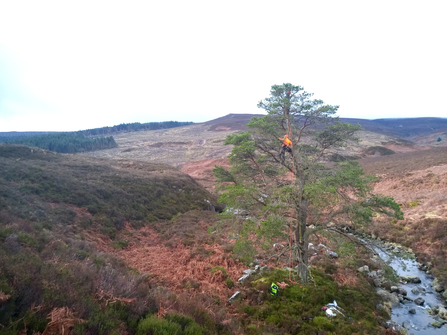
column 290, row 311
column 120, row 244
column 229, row 282
column 221, row 269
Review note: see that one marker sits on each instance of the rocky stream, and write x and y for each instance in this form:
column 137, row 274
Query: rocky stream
column 418, row 302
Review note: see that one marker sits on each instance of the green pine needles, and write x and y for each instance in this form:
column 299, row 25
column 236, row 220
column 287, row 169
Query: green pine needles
column 291, row 197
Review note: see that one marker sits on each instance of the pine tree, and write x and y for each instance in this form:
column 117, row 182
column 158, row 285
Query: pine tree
column 302, row 194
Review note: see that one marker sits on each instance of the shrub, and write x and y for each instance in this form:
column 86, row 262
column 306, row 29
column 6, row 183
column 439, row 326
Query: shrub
column 229, row 282
column 155, row 326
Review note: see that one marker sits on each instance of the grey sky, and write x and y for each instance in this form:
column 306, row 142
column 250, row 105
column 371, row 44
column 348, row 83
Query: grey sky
column 87, row 64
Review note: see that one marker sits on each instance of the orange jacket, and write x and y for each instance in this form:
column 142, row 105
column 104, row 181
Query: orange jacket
column 285, row 142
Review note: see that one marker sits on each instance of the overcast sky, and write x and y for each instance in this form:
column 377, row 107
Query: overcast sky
column 72, row 65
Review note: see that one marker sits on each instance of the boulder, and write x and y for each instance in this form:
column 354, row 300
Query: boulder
column 393, row 289
column 377, row 282
column 419, row 301
column 406, row 325
column 442, row 312
column 411, row 279
column 412, row 311
column 437, row 286
column 388, row 297
column 402, row 291
column 364, row 268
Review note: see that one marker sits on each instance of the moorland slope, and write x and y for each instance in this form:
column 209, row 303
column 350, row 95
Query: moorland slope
column 109, row 240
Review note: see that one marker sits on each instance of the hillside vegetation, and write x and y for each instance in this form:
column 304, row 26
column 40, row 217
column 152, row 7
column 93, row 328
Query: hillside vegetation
column 55, row 211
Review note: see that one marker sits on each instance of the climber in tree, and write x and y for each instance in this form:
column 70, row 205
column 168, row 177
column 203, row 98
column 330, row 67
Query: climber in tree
column 286, row 146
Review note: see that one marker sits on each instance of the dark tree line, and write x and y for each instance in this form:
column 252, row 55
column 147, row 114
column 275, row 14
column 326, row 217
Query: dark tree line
column 83, row 140
column 136, row 126
column 67, row 143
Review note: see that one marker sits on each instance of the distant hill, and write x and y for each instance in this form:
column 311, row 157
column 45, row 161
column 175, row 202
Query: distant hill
column 405, row 127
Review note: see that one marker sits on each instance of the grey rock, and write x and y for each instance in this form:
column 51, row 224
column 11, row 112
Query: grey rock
column 406, row 325
column 265, row 268
column 442, row 312
column 437, row 286
column 394, row 289
column 377, row 282
column 234, row 297
column 402, row 291
column 364, row 268
column 412, row 311
column 415, row 290
column 257, row 268
column 407, row 299
column 373, row 274
column 411, row 279
column 388, row 297
column 393, row 325
column 256, row 262
column 419, row 301
column 249, row 271
column 331, row 253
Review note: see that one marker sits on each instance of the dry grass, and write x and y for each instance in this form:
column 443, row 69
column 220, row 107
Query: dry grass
column 62, row 320
column 178, row 270
column 3, row 297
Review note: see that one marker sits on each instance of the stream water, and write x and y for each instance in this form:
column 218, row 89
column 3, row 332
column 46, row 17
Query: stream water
column 420, row 322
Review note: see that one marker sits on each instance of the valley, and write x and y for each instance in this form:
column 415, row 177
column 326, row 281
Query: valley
column 136, row 227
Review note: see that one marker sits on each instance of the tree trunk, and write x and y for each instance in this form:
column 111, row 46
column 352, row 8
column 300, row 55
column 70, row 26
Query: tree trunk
column 301, row 237
column 302, row 241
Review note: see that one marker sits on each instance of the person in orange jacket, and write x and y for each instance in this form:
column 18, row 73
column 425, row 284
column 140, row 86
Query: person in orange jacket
column 286, row 146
